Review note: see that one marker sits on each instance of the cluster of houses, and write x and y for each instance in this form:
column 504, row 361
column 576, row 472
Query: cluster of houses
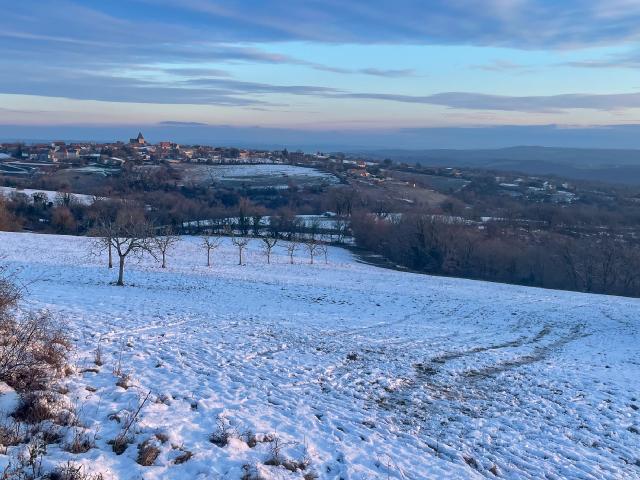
column 56, row 153
column 20, row 158
column 535, row 188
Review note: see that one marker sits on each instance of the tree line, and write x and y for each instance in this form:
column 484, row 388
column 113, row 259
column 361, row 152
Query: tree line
column 129, row 234
column 599, row 263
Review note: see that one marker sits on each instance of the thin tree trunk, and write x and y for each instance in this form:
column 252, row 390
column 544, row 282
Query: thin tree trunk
column 121, row 272
column 240, row 253
column 208, row 257
column 110, row 255
column 164, row 263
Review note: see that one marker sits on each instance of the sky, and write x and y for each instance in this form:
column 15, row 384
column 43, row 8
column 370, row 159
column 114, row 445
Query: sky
column 348, row 72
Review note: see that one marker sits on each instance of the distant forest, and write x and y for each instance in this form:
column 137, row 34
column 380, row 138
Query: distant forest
column 599, row 165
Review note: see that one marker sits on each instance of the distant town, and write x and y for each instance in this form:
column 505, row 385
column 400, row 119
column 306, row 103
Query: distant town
column 22, row 160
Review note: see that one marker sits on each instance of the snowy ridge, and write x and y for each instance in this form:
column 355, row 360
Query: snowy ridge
column 370, row 373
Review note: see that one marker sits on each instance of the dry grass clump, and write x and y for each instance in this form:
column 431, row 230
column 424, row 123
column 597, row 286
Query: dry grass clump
column 124, row 381
column 11, row 433
column 28, row 464
column 38, row 406
column 277, row 459
column 222, row 435
column 70, row 471
column 81, row 442
column 250, row 472
column 184, row 457
column 124, row 438
column 148, row 451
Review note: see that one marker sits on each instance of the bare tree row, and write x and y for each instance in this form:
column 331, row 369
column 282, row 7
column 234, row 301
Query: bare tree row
column 130, row 235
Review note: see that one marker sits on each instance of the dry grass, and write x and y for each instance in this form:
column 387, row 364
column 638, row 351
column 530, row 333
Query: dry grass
column 123, row 439
column 124, row 381
column 250, row 438
column 70, row 471
column 38, row 406
column 185, row 456
column 11, row 433
column 469, row 460
column 33, row 351
column 81, row 442
column 148, row 452
column 250, row 472
column 277, row 459
column 119, row 444
column 221, row 436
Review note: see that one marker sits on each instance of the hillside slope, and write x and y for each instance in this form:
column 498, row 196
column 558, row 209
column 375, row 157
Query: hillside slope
column 368, row 373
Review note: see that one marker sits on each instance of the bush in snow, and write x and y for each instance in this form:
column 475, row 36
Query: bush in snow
column 33, row 347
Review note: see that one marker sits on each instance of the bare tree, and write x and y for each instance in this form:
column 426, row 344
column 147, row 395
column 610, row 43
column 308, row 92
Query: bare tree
column 65, row 199
column 268, row 244
column 8, row 221
column 312, row 246
column 314, row 228
column 103, row 231
column 324, row 250
column 164, row 242
column 292, row 246
column 130, row 234
column 341, row 227
column 241, row 243
column 210, row 243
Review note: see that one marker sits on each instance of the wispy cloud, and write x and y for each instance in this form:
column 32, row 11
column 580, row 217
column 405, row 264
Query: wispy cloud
column 502, row 66
column 194, row 51
column 623, row 60
column 194, row 72
column 379, row 72
column 226, row 91
column 516, row 23
column 75, row 35
column 541, row 104
column 173, row 123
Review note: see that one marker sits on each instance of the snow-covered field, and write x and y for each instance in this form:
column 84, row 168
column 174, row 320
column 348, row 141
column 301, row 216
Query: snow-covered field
column 51, row 195
column 370, row 373
column 258, row 175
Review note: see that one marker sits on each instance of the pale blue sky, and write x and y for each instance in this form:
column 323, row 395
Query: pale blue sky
column 320, row 65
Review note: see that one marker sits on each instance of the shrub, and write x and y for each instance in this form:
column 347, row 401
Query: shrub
column 37, row 406
column 221, row 436
column 33, row 348
column 11, row 433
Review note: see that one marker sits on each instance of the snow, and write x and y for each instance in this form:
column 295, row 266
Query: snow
column 51, row 195
column 371, row 373
column 241, row 171
column 308, row 221
column 257, row 173
column 8, row 400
